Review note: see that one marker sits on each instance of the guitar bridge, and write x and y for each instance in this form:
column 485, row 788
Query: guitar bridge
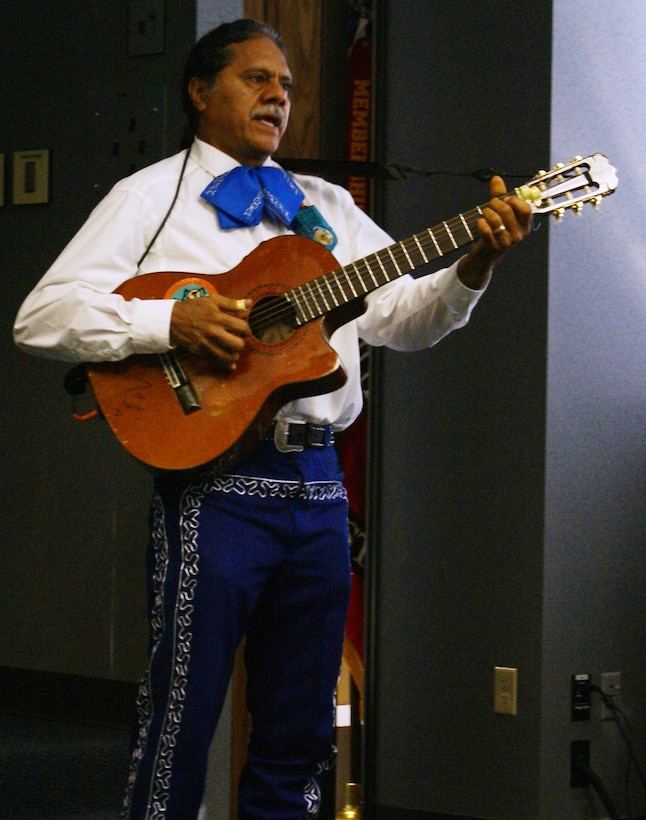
column 178, row 380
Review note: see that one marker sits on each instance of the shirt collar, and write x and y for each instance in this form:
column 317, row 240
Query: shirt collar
column 214, row 161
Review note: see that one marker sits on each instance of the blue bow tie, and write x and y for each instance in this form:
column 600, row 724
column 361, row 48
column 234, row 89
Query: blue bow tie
column 242, row 195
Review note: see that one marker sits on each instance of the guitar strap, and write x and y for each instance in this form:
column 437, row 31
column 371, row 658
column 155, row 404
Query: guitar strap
column 168, row 212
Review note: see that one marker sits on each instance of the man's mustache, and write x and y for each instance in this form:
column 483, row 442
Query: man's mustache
column 268, row 112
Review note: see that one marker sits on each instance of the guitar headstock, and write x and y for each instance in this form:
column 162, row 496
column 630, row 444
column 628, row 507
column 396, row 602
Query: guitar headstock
column 570, row 186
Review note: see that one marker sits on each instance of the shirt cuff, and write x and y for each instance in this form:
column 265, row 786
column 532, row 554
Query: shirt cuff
column 456, row 293
column 151, row 325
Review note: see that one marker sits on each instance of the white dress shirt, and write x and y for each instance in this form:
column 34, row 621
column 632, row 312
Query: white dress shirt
column 73, row 314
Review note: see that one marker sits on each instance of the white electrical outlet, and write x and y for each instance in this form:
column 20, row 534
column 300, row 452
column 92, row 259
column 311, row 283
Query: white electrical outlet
column 611, row 686
column 505, row 690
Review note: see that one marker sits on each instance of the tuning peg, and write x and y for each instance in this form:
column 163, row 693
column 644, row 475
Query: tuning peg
column 558, row 214
column 530, row 193
column 596, row 202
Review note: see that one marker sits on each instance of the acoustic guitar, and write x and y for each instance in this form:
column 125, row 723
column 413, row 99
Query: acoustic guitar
column 175, row 411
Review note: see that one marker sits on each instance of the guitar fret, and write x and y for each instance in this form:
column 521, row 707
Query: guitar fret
column 421, row 249
column 383, row 269
column 434, row 240
column 402, row 245
column 327, row 293
column 321, row 292
column 335, row 290
column 392, row 256
column 349, row 281
column 360, row 278
column 450, row 235
column 467, row 228
column 331, row 282
column 306, row 301
column 299, row 317
column 370, row 272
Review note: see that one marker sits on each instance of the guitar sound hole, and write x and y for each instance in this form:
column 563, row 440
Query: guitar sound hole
column 272, row 320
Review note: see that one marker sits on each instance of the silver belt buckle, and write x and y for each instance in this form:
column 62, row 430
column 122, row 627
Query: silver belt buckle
column 281, row 436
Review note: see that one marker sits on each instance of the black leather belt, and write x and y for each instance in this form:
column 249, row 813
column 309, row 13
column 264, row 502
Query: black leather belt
column 294, row 436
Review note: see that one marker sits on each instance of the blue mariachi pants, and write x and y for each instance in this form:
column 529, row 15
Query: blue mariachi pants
column 264, row 553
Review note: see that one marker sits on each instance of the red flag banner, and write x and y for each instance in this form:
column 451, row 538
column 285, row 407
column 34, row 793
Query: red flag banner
column 354, row 441
column 359, row 129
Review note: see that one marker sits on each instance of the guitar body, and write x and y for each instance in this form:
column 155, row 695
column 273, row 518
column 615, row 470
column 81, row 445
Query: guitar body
column 142, row 408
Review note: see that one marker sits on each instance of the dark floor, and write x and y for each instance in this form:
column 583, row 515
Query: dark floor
column 60, row 771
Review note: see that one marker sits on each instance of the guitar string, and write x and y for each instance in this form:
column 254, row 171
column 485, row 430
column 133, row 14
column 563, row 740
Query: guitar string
column 328, row 284
column 426, row 240
column 362, row 276
column 279, row 307
column 315, row 292
column 397, row 252
column 325, row 284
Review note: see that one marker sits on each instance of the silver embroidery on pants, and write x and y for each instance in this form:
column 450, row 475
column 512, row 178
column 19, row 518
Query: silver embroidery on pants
column 171, row 725
column 274, row 488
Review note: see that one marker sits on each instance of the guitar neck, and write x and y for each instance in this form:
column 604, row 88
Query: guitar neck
column 315, row 299
column 565, row 187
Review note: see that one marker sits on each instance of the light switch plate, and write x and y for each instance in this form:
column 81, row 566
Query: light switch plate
column 146, row 26
column 30, row 177
column 505, row 690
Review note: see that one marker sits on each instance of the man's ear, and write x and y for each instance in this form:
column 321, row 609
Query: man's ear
column 197, row 90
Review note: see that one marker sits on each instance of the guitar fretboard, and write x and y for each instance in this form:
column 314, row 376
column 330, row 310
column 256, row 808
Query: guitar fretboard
column 322, row 295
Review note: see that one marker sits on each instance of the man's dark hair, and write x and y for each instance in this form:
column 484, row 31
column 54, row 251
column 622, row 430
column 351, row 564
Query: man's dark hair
column 213, row 52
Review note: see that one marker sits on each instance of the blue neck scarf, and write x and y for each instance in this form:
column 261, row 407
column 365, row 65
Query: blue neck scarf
column 244, row 194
